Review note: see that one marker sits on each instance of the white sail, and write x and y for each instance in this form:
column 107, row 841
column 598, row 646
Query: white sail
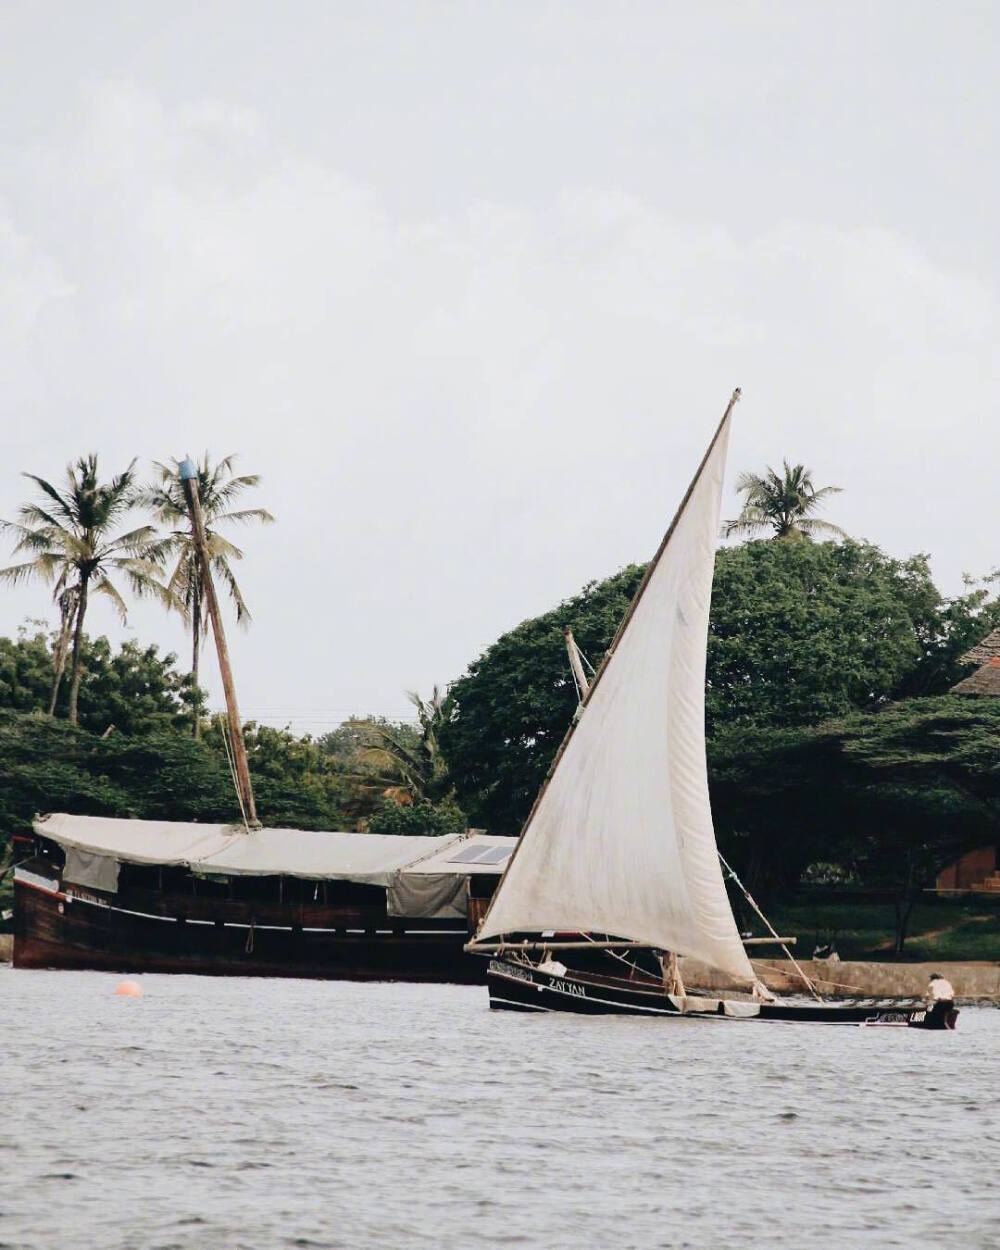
column 621, row 840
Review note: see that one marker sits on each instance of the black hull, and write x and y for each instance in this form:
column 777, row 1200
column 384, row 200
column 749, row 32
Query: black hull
column 516, row 986
column 55, row 930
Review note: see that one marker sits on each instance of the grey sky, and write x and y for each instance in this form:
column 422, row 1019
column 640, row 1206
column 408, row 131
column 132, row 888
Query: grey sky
column 470, row 284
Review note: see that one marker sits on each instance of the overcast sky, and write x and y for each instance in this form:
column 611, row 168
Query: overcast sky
column 470, row 284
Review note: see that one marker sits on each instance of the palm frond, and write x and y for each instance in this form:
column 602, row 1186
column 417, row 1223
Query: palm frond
column 221, row 548
column 137, row 542
column 17, row 574
column 62, row 505
column 245, row 516
column 144, row 582
column 813, row 525
column 34, row 514
column 225, row 574
column 184, row 576
column 103, row 585
column 29, row 539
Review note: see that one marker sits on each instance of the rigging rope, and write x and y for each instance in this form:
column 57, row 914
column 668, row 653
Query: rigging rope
column 231, row 760
column 840, row 985
column 749, row 898
column 614, row 954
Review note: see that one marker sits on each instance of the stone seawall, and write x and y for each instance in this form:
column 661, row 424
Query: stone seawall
column 973, row 980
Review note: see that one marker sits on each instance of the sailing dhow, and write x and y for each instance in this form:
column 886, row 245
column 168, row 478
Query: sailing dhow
column 618, row 854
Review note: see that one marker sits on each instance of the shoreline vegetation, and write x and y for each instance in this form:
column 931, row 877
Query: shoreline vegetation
column 844, row 776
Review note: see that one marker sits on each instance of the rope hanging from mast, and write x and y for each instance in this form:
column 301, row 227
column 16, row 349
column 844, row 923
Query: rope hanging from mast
column 231, row 761
column 750, row 899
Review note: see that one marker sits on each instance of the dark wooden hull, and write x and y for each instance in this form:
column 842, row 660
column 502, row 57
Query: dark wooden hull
column 516, row 986
column 56, row 929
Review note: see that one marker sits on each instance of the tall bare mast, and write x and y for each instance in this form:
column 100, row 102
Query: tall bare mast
column 189, row 480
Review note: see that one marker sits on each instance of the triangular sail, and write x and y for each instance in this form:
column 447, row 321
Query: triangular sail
column 620, row 840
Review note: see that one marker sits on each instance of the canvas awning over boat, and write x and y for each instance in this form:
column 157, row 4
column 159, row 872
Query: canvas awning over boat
column 479, row 853
column 409, row 865
column 227, row 850
column 437, row 885
column 369, row 858
column 164, row 842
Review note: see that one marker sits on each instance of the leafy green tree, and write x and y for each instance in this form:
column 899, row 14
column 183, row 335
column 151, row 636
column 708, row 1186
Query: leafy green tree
column 409, row 760
column 422, row 818
column 167, row 776
column 890, row 797
column 25, row 670
column 922, row 786
column 70, row 538
column 766, row 785
column 218, row 488
column 132, row 690
column 949, row 628
column 799, row 633
column 781, row 503
column 513, row 705
column 50, row 765
column 296, row 782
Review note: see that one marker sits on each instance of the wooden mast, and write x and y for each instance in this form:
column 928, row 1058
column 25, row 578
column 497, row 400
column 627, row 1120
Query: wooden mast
column 189, row 481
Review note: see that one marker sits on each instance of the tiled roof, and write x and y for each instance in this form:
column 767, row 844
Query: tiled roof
column 983, row 652
column 986, row 678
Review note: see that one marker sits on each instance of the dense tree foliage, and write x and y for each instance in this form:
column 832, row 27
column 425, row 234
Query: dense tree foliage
column 50, row 765
column 890, row 797
column 833, row 748
column 131, row 690
column 407, row 759
column 515, row 702
column 800, row 632
column 420, row 818
column 132, row 754
column 25, row 670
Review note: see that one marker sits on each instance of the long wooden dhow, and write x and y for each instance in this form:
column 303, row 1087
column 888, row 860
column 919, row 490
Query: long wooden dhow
column 160, row 896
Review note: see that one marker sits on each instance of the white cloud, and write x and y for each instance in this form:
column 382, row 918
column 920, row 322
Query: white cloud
column 30, row 281
column 460, row 418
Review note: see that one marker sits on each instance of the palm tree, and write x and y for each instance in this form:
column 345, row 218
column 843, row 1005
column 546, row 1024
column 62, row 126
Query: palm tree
column 412, row 766
column 67, row 600
column 782, row 504
column 70, row 537
column 217, row 488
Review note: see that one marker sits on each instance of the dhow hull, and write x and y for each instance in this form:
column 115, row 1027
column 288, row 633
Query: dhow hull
column 517, row 986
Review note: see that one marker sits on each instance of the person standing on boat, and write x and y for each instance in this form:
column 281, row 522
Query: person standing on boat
column 940, row 995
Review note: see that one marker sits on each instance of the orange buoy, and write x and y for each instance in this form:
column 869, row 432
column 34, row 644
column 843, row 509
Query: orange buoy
column 128, row 989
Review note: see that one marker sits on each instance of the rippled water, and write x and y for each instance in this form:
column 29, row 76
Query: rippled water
column 248, row 1113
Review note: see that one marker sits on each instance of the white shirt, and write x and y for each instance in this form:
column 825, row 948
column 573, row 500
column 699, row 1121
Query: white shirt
column 940, row 989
